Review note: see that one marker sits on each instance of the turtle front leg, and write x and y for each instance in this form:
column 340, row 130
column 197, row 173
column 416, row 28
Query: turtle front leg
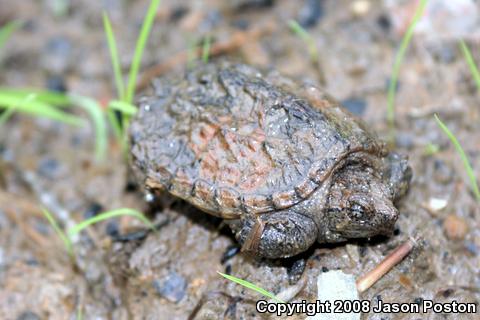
column 276, row 234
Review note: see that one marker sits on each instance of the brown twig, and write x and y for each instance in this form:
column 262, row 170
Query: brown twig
column 237, row 40
column 365, row 282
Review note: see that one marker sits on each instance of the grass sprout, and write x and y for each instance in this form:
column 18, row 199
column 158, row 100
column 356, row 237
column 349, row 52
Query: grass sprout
column 93, row 108
column 251, row 286
column 207, row 43
column 65, row 239
column 112, row 45
column 37, row 106
column 398, row 62
column 125, row 96
column 9, row 112
column 49, row 104
column 463, row 156
column 7, row 30
column 53, row 98
column 124, row 107
column 306, row 37
column 108, row 215
column 141, row 42
column 471, row 63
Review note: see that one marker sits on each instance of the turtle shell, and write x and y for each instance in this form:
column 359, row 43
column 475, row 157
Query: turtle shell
column 230, row 139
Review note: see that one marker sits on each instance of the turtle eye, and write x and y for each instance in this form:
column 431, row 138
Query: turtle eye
column 357, row 211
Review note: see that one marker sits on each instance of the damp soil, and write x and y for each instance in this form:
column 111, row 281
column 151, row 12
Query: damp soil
column 123, row 271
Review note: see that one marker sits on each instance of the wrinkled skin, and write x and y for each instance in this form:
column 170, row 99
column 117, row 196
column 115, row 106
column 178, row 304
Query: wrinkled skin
column 280, row 161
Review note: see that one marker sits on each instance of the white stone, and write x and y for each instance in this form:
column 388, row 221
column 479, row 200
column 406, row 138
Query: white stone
column 437, row 204
column 336, row 285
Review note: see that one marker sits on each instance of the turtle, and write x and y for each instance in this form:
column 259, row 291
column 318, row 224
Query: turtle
column 280, row 160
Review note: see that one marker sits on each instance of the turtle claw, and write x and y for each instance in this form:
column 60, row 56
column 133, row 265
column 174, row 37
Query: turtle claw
column 253, row 239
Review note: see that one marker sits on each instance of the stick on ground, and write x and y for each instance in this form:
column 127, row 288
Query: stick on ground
column 368, row 280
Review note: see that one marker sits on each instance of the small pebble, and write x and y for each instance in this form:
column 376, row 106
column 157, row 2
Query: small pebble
column 48, row 167
column 360, row 7
column 56, row 83
column 58, row 55
column 310, row 13
column 231, row 251
column 443, row 51
column 28, row 315
column 356, row 106
column 241, row 24
column 93, row 209
column 336, row 285
column 173, row 288
column 384, row 22
column 455, row 227
column 178, row 13
column 211, row 20
column 149, row 197
column 112, row 229
column 472, row 248
column 404, row 140
column 437, row 204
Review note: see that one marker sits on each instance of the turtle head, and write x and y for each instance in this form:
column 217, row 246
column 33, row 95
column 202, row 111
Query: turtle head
column 359, row 205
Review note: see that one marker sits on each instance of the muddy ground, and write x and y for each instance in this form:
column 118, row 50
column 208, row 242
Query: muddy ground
column 122, row 272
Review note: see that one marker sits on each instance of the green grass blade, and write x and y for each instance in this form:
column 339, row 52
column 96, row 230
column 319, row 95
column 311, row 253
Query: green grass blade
column 108, row 215
column 112, row 45
column 251, row 286
column 95, row 111
column 7, row 30
column 306, row 37
column 49, row 97
column 115, row 123
column 398, row 62
column 37, row 107
column 9, row 112
column 124, row 107
column 66, row 240
column 471, row 63
column 141, row 42
column 463, row 156
column 207, row 43
column 127, row 110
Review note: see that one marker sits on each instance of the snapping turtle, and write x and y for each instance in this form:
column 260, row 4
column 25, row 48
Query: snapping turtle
column 280, row 161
